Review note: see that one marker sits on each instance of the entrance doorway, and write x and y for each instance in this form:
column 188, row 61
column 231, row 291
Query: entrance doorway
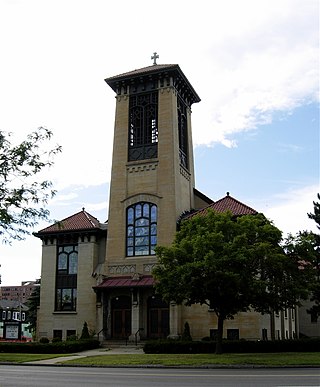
column 158, row 318
column 121, row 317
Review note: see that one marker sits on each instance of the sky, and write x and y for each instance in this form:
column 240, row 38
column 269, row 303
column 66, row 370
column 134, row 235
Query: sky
column 254, row 64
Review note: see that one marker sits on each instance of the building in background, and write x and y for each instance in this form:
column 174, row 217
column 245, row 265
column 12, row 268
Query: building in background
column 18, row 292
column 13, row 321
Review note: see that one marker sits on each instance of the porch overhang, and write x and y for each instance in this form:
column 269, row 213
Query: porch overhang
column 146, row 281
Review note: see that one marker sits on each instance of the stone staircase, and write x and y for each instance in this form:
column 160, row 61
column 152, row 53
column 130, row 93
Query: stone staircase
column 122, row 344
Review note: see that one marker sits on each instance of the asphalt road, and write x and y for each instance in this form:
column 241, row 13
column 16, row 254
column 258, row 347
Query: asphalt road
column 55, row 376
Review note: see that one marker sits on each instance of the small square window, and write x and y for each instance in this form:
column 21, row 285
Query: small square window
column 233, row 334
column 57, row 334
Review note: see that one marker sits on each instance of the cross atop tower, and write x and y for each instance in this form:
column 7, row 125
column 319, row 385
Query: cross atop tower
column 155, row 56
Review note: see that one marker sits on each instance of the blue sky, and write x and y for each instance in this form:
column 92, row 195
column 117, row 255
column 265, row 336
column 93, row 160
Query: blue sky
column 254, row 64
column 266, row 161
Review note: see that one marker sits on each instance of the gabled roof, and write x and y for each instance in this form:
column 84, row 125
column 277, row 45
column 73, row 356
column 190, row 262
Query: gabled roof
column 12, row 304
column 228, row 203
column 81, row 221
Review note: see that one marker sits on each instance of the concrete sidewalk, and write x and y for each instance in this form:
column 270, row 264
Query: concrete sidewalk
column 92, row 352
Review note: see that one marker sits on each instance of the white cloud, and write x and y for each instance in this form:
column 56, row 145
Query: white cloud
column 289, row 210
column 269, row 65
column 63, row 199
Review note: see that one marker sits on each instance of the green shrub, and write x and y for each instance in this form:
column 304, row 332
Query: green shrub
column 85, row 332
column 54, row 347
column 72, row 338
column 44, row 340
column 186, row 336
column 241, row 346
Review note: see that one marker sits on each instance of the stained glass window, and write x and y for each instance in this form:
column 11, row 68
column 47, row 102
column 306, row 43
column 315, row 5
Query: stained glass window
column 141, row 229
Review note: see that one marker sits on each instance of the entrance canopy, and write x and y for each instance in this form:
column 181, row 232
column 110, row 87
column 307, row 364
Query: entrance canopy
column 127, row 282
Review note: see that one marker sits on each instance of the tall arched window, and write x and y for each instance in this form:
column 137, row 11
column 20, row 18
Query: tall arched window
column 141, row 229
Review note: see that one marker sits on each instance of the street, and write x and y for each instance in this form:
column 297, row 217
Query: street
column 56, row 376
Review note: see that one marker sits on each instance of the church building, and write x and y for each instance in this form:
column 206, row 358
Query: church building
column 101, row 273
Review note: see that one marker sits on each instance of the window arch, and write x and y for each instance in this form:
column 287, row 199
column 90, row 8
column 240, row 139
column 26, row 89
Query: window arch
column 141, row 229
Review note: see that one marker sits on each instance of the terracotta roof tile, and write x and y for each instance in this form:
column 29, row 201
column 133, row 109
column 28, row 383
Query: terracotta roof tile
column 228, row 203
column 80, row 221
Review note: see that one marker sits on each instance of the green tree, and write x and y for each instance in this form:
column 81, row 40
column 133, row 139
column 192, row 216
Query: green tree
column 230, row 264
column 186, row 336
column 33, row 303
column 315, row 294
column 85, row 332
column 305, row 246
column 303, row 249
column 316, row 212
column 23, row 193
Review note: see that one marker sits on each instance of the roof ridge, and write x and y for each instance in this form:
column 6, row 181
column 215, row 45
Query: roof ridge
column 236, row 200
column 82, row 220
column 89, row 216
column 227, row 203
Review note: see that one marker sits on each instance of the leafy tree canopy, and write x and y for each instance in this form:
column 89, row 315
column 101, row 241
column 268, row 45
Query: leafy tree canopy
column 305, row 247
column 23, row 193
column 231, row 265
column 33, row 303
column 316, row 213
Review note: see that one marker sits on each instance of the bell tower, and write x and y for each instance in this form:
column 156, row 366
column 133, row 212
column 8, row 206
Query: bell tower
column 152, row 179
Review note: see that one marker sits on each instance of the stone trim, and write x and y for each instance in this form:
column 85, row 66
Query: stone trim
column 147, row 268
column 142, row 167
column 185, row 173
column 122, row 269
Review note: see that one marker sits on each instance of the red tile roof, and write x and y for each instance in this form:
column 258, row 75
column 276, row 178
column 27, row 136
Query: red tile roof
column 80, row 221
column 127, row 282
column 228, row 203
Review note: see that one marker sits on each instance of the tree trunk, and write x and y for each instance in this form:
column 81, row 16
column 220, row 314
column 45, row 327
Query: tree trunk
column 220, row 335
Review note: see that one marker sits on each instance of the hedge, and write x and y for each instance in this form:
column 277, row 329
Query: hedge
column 55, row 347
column 241, row 346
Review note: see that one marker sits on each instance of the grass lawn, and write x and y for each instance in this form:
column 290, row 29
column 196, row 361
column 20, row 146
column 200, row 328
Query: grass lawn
column 24, row 357
column 268, row 359
column 262, row 359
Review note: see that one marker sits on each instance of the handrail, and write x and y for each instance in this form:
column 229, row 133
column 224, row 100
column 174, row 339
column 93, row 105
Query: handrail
column 136, row 335
column 102, row 330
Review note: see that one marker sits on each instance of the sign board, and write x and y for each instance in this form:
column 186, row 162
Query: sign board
column 12, row 332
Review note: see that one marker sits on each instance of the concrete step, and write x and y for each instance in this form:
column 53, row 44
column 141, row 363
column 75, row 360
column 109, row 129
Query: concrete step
column 121, row 344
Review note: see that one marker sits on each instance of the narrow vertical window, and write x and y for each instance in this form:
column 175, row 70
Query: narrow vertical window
column 141, row 229
column 143, row 126
column 183, row 133
column 66, row 278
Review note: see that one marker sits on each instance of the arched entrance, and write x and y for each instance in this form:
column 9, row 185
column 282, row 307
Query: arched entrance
column 121, row 317
column 158, row 318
